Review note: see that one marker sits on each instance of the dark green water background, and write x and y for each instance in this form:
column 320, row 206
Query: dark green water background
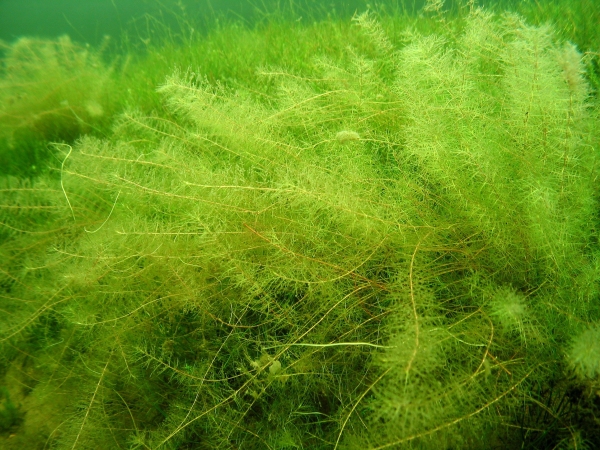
column 90, row 20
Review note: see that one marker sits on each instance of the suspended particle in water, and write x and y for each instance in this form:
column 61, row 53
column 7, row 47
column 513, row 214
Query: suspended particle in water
column 345, row 136
column 275, row 368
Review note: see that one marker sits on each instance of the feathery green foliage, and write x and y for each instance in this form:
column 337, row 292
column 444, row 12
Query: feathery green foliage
column 50, row 90
column 387, row 247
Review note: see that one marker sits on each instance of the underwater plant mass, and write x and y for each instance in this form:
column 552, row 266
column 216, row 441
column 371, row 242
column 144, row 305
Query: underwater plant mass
column 376, row 233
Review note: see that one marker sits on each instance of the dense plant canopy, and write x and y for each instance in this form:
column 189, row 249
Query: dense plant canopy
column 392, row 245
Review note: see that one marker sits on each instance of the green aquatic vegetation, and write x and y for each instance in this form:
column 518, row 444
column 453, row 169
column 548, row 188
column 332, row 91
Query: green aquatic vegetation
column 388, row 248
column 50, row 90
column 10, row 415
column 584, row 354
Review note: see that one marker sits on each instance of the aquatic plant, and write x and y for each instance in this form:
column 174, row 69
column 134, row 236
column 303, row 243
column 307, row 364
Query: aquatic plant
column 50, row 90
column 392, row 249
column 10, row 415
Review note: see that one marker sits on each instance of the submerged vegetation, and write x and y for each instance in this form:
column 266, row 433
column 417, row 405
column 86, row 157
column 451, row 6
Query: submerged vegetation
column 50, row 90
column 379, row 233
